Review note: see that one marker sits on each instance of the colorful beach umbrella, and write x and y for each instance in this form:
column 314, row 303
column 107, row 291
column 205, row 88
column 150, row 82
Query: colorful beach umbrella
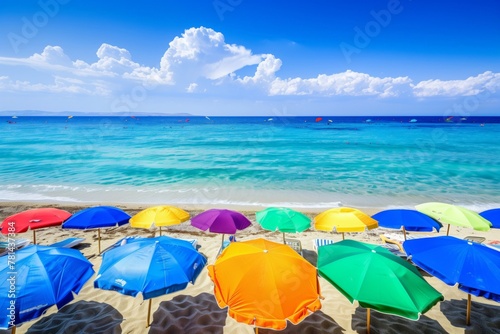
column 162, row 215
column 406, row 220
column 343, row 220
column 284, row 220
column 265, row 284
column 475, row 267
column 493, row 216
column 221, row 221
column 454, row 215
column 376, row 278
column 34, row 219
column 151, row 266
column 97, row 217
column 38, row 278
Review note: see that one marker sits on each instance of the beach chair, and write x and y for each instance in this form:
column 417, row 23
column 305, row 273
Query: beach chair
column 223, row 246
column 193, row 242
column 68, row 242
column 474, row 238
column 394, row 239
column 321, row 242
column 119, row 243
column 394, row 249
column 495, row 244
column 295, row 244
column 18, row 244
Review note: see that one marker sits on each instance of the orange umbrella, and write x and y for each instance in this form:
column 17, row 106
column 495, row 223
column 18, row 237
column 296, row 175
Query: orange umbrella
column 344, row 219
column 162, row 215
column 265, row 284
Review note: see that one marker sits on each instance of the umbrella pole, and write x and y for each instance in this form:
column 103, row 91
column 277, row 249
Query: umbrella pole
column 149, row 313
column 404, row 232
column 99, row 240
column 222, row 244
column 160, row 231
column 343, row 238
column 467, row 322
column 256, row 330
column 284, row 241
column 448, row 230
column 13, row 331
column 368, row 320
column 34, row 237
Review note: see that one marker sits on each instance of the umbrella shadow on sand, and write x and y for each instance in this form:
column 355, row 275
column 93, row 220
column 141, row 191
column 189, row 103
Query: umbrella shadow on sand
column 387, row 323
column 188, row 314
column 484, row 317
column 316, row 323
column 81, row 317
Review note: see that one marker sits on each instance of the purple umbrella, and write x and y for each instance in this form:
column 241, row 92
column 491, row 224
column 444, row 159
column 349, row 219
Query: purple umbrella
column 221, row 221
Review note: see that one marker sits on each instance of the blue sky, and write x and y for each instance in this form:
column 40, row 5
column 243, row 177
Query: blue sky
column 242, row 57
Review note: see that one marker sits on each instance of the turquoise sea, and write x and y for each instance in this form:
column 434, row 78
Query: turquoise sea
column 301, row 162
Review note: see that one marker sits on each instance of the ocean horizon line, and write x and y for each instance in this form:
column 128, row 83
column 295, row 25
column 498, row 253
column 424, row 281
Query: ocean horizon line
column 317, row 118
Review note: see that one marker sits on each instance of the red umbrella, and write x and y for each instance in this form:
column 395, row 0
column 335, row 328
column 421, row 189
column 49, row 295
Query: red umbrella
column 34, row 219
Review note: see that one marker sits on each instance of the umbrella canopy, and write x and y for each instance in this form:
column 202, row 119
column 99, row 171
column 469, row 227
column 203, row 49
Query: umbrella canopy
column 221, row 221
column 97, row 217
column 376, row 278
column 475, row 267
column 454, row 215
column 162, row 215
column 406, row 220
column 283, row 219
column 493, row 216
column 39, row 278
column 344, row 219
column 265, row 283
column 34, row 219
column 151, row 266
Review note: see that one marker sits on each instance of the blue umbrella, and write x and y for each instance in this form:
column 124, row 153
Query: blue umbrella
column 493, row 216
column 475, row 267
column 407, row 220
column 151, row 266
column 38, row 277
column 97, row 217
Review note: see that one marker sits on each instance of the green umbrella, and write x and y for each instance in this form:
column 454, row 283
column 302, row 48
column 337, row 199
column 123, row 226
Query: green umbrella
column 283, row 219
column 377, row 279
column 454, row 215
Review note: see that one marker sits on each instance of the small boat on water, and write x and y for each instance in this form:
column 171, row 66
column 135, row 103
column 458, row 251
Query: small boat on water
column 413, row 120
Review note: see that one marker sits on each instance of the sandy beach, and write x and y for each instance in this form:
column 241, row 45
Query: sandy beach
column 194, row 310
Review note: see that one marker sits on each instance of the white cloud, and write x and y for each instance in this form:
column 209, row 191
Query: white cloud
column 346, row 83
column 53, row 55
column 265, row 71
column 200, row 60
column 203, row 53
column 192, row 87
column 470, row 86
column 111, row 59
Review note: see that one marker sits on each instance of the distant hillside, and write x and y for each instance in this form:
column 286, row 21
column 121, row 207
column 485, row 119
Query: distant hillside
column 82, row 113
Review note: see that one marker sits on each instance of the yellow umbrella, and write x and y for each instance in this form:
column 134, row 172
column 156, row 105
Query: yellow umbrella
column 162, row 215
column 344, row 219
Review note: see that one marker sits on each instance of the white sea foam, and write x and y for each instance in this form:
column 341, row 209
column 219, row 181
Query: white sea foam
column 222, row 196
